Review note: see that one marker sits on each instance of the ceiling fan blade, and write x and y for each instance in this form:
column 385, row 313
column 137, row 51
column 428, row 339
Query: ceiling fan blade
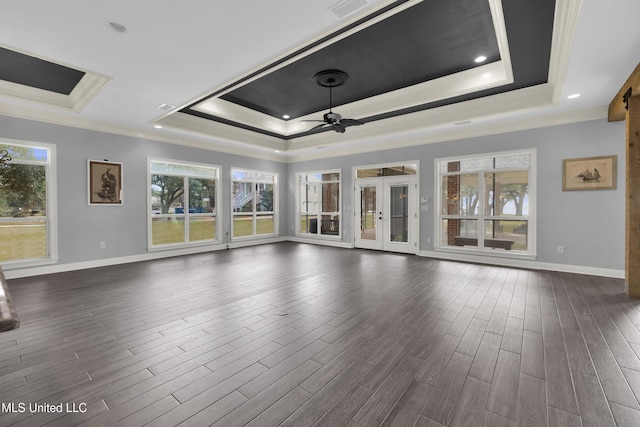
column 317, row 127
column 351, row 122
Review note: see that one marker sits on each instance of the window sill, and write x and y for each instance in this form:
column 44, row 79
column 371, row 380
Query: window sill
column 256, row 237
column 320, row 236
column 172, row 246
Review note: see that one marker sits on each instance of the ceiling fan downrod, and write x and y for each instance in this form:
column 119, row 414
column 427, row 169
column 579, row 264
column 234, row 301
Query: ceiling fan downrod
column 331, row 79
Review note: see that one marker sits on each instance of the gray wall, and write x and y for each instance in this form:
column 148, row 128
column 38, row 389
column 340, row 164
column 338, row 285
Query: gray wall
column 589, row 224
column 124, row 228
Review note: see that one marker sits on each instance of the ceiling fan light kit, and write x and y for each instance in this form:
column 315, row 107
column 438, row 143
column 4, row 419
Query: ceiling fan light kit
column 331, row 79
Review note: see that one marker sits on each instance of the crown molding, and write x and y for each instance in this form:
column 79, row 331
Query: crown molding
column 290, row 154
column 211, row 143
column 564, row 30
column 451, row 134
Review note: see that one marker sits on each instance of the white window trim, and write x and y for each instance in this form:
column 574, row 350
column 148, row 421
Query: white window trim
column 218, row 213
column 276, row 203
column 52, row 204
column 531, row 254
column 298, row 212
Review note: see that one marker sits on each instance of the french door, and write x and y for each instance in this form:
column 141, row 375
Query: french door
column 387, row 214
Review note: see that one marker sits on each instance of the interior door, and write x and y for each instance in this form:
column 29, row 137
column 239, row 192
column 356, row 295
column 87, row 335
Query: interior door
column 387, row 214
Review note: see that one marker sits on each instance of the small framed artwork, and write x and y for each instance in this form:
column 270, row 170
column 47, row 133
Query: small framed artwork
column 589, row 173
column 105, row 183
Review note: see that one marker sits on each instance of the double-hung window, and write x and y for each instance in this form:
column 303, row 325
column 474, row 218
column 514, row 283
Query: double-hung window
column 182, row 203
column 27, row 197
column 254, row 203
column 486, row 204
column 318, row 203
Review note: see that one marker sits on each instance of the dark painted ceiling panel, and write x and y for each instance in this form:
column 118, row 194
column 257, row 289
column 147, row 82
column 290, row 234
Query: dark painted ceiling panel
column 429, row 40
column 529, row 30
column 29, row 71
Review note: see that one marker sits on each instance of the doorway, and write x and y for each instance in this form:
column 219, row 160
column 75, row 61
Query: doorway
column 387, row 213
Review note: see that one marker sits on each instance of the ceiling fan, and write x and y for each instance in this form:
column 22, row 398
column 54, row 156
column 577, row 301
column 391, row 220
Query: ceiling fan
column 331, row 79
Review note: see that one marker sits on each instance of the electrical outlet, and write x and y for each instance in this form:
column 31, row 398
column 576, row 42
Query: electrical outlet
column 560, row 249
column 103, row 245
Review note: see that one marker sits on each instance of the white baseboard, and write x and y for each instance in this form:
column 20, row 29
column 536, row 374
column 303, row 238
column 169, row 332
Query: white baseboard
column 157, row 254
column 522, row 263
column 519, row 263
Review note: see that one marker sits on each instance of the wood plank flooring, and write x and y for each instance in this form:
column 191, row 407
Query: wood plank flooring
column 371, row 339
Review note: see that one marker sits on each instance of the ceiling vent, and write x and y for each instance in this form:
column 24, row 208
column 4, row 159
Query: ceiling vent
column 347, row 7
column 165, row 107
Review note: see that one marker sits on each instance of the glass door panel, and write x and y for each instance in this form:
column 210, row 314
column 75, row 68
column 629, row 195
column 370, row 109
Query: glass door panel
column 399, row 215
column 369, row 214
column 368, row 226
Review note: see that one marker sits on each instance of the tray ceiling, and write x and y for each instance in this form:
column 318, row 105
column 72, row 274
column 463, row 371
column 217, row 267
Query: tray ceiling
column 406, row 57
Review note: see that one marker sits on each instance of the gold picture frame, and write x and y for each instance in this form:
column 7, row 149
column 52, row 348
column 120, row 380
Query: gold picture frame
column 589, row 173
column 104, row 182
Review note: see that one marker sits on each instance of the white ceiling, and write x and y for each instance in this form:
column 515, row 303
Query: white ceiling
column 175, row 52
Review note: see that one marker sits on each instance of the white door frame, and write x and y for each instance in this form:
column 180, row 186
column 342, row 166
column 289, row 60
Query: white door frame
column 383, row 185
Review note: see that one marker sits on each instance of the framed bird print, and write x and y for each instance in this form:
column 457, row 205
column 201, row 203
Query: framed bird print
column 105, row 183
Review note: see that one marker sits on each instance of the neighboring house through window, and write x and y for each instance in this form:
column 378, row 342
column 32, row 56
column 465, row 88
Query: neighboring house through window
column 254, row 201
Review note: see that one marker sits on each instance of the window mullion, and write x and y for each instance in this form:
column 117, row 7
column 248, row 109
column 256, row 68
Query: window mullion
column 481, row 210
column 185, row 197
column 320, row 208
column 254, row 188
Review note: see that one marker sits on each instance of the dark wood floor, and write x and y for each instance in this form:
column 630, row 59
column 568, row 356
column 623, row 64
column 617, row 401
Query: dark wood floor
column 371, row 339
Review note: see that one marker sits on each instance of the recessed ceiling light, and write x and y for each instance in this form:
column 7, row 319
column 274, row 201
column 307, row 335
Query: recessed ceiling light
column 158, row 127
column 480, row 59
column 117, row 27
column 573, row 96
column 286, row 116
column 276, row 151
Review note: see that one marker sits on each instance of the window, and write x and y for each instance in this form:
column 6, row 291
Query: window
column 318, row 204
column 183, row 200
column 27, row 194
column 486, row 203
column 254, row 200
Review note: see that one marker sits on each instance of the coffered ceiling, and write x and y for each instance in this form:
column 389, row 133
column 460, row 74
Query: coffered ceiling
column 239, row 76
